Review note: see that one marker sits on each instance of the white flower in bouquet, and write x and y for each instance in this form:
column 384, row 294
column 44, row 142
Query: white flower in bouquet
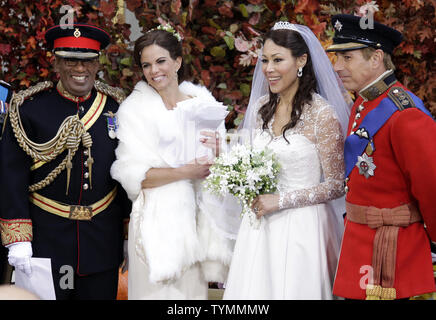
column 245, row 173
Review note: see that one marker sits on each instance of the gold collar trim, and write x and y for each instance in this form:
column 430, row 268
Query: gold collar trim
column 379, row 86
column 63, row 92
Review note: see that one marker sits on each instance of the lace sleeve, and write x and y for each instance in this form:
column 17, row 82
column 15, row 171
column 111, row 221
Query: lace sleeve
column 330, row 148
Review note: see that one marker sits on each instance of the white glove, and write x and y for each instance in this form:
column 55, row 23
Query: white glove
column 125, row 264
column 19, row 256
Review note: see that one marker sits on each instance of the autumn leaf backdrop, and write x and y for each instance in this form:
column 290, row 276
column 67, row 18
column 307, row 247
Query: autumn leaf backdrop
column 221, row 38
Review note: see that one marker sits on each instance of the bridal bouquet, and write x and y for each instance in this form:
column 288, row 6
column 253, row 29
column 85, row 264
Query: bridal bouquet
column 244, row 173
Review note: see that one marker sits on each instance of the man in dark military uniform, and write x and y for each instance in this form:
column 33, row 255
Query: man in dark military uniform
column 5, row 97
column 390, row 171
column 58, row 199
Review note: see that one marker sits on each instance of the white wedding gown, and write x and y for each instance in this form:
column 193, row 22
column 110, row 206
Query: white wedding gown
column 293, row 255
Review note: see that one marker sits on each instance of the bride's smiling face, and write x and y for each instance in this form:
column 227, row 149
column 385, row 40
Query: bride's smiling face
column 279, row 67
column 159, row 69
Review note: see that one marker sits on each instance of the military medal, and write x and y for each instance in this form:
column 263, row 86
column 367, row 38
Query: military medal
column 366, row 165
column 112, row 124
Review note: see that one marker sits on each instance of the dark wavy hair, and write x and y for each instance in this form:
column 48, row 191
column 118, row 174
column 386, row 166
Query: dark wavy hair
column 165, row 40
column 307, row 84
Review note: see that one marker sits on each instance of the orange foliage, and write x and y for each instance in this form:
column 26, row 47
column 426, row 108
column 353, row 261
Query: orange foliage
column 221, row 39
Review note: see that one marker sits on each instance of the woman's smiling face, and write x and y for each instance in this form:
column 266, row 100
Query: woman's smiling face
column 159, row 69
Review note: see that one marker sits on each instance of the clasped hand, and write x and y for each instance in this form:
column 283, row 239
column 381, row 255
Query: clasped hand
column 265, row 204
column 197, row 168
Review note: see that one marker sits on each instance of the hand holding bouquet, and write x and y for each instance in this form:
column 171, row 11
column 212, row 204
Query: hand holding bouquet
column 244, row 173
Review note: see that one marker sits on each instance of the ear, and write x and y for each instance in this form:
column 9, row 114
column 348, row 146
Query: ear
column 56, row 65
column 377, row 59
column 301, row 61
column 178, row 62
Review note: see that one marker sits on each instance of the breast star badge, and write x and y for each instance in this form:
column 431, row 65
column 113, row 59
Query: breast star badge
column 366, row 165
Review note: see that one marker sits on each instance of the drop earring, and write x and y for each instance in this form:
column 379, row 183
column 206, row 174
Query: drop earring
column 300, row 72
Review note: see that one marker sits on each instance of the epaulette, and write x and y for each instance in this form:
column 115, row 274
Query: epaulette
column 20, row 96
column 401, row 98
column 116, row 93
column 18, row 99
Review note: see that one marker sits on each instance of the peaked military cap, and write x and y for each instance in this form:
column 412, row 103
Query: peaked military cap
column 79, row 41
column 352, row 33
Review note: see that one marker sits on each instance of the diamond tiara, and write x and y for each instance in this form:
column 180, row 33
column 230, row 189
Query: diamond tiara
column 284, row 25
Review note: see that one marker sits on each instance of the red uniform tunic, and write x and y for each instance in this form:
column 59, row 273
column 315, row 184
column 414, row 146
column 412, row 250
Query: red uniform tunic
column 405, row 159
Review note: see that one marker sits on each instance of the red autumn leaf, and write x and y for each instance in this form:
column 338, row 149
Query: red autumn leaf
column 133, row 4
column 107, row 7
column 426, row 33
column 234, row 95
column 301, row 6
column 5, row 49
column 198, row 44
column 209, row 30
column 44, row 73
column 318, row 29
column 408, row 48
column 215, row 69
column 25, row 83
column 225, row 11
column 273, row 5
column 210, row 3
column 31, row 42
column 205, row 76
column 250, row 30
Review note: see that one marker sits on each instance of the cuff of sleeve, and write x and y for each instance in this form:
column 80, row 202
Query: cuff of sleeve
column 16, row 230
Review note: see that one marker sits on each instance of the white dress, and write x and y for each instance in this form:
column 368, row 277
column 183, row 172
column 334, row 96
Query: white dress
column 173, row 250
column 293, row 255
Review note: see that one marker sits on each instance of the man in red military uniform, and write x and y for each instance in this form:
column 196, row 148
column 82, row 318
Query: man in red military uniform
column 391, row 172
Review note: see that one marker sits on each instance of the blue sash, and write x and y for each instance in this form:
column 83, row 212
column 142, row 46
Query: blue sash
column 374, row 120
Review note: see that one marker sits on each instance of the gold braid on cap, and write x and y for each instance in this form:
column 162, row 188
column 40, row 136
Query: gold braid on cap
column 68, row 136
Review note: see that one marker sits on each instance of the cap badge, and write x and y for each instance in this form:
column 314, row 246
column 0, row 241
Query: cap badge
column 338, row 25
column 77, row 33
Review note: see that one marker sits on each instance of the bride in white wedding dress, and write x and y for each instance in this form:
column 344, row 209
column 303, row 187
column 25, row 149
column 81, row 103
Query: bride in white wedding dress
column 294, row 252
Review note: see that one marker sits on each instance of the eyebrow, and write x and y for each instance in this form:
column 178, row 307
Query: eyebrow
column 155, row 60
column 272, row 55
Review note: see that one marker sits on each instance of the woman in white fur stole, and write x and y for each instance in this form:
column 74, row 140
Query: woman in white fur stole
column 161, row 160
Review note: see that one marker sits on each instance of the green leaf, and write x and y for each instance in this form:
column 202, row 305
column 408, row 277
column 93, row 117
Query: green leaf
column 230, row 41
column 417, row 54
column 245, row 89
column 126, row 61
column 244, row 10
column 218, row 52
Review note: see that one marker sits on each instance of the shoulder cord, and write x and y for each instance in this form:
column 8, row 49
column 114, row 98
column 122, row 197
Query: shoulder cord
column 69, row 136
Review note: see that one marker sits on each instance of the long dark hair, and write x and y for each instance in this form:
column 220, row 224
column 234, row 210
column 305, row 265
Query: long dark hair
column 307, row 84
column 165, row 40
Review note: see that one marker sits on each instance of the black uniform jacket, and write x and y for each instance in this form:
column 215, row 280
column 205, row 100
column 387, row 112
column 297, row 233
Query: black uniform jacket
column 88, row 246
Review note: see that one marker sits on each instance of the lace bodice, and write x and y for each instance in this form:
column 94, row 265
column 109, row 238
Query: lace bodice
column 312, row 163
